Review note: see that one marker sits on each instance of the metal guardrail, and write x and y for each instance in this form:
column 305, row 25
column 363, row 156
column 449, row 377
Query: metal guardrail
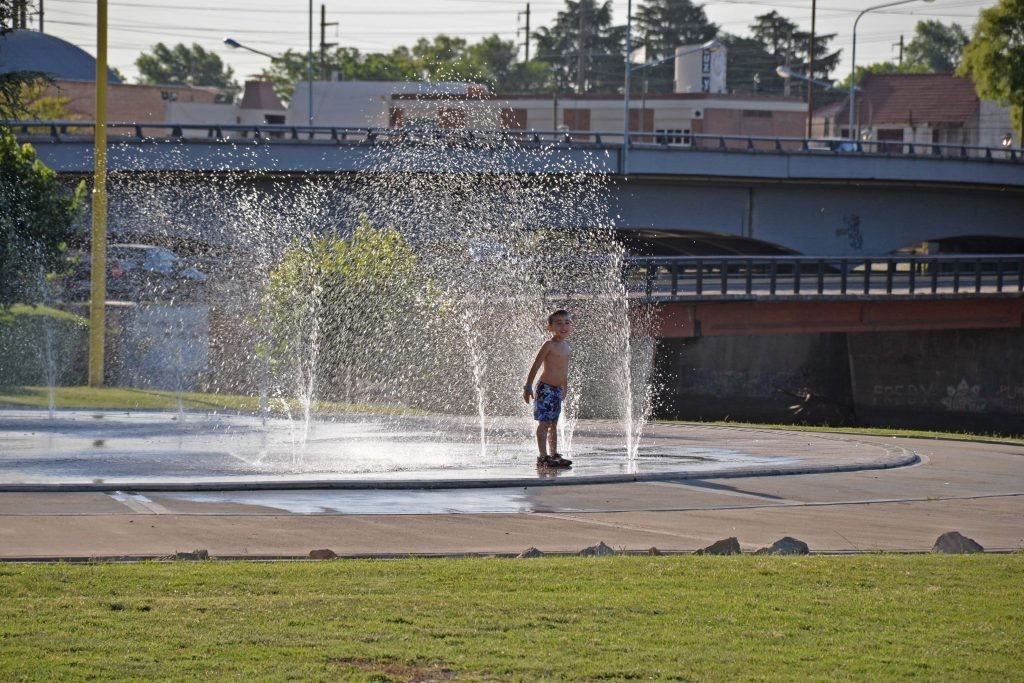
column 58, row 131
column 690, row 278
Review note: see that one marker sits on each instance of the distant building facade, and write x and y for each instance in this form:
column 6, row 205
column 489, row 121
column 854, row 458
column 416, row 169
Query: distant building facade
column 920, row 109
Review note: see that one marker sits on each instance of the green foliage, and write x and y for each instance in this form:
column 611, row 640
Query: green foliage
column 37, row 220
column 869, row 617
column 587, row 60
column 788, row 45
column 492, row 62
column 182, row 65
column 660, row 27
column 994, row 59
column 330, row 303
column 880, row 68
column 12, row 91
column 36, row 340
column 936, row 47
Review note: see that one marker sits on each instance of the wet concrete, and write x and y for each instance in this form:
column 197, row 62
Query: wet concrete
column 153, row 451
column 975, row 488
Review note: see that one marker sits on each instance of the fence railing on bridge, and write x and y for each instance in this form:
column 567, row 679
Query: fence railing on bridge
column 57, row 131
column 691, row 278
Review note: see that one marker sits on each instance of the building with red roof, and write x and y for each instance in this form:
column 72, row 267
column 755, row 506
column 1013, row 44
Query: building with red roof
column 919, row 108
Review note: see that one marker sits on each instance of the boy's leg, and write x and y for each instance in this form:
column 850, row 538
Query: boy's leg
column 553, row 438
column 542, row 437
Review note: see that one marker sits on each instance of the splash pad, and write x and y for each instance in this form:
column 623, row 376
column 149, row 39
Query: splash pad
column 157, row 451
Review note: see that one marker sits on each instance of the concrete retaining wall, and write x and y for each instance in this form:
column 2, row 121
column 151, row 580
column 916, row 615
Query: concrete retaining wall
column 944, row 379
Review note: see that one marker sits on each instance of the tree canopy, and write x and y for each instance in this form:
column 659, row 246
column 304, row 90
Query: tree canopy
column 936, row 47
column 37, row 221
column 584, row 49
column 182, row 65
column 663, row 25
column 994, row 59
column 790, row 46
column 492, row 61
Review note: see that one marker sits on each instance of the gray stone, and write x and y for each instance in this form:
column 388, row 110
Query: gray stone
column 594, row 550
column 787, row 545
column 727, row 546
column 530, row 552
column 953, row 543
column 194, row 555
column 322, row 554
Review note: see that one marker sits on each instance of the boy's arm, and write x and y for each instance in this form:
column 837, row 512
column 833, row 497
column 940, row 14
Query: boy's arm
column 538, row 361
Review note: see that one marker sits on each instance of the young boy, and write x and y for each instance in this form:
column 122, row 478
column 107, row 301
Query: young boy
column 553, row 363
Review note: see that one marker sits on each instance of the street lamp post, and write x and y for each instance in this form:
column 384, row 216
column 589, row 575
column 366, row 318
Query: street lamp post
column 231, row 42
column 710, row 46
column 853, row 59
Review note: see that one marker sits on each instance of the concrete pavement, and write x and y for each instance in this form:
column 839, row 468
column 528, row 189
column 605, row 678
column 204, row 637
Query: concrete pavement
column 975, row 488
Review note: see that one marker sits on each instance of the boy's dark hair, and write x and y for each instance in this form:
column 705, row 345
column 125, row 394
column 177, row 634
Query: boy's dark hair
column 560, row 311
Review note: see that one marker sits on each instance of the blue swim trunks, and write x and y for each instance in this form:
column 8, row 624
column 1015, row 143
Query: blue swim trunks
column 547, row 402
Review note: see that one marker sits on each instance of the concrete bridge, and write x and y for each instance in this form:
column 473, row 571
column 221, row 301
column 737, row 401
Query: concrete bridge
column 712, row 195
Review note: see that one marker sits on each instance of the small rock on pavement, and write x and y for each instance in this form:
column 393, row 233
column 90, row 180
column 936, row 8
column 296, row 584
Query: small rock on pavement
column 528, row 553
column 953, row 543
column 322, row 554
column 787, row 545
column 727, row 546
column 194, row 555
column 599, row 549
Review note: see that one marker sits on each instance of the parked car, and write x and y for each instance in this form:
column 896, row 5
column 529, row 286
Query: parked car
column 137, row 272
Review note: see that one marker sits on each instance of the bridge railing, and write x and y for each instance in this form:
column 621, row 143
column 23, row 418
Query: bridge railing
column 682, row 278
column 681, row 141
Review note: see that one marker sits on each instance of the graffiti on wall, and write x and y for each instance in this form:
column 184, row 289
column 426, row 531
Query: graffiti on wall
column 905, row 395
column 1009, row 399
column 964, row 398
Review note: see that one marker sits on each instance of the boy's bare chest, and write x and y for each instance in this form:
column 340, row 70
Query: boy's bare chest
column 560, row 353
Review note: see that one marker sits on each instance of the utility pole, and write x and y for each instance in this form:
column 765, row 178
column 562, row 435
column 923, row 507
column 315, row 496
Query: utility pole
column 810, row 71
column 901, row 50
column 526, row 42
column 580, row 59
column 323, row 38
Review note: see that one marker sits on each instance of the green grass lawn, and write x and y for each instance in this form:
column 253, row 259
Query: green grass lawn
column 868, row 617
column 113, row 398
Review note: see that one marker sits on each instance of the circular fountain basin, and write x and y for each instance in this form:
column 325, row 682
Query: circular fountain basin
column 82, row 450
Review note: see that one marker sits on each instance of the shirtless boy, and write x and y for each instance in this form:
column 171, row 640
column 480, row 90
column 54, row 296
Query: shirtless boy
column 553, row 363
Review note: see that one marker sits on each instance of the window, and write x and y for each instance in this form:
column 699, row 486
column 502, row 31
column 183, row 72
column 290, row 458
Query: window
column 673, row 136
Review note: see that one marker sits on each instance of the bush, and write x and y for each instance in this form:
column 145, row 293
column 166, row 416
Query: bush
column 28, row 358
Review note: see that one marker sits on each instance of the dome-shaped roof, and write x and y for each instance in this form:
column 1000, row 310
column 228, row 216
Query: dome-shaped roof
column 25, row 50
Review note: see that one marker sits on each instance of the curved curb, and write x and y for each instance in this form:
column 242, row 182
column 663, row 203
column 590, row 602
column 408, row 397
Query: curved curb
column 895, row 456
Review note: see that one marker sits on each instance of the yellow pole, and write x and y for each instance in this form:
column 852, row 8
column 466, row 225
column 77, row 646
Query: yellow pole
column 98, row 289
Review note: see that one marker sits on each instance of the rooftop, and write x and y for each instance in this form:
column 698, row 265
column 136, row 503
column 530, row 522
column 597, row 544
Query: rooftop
column 914, row 98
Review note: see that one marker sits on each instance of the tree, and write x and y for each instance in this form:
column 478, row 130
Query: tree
column 790, row 46
column 936, row 47
column 183, row 65
column 329, row 303
column 994, row 59
column 492, row 62
column 584, row 50
column 13, row 84
column 750, row 67
column 37, row 220
column 663, row 25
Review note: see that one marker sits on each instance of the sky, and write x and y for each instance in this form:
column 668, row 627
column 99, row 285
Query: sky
column 378, row 26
